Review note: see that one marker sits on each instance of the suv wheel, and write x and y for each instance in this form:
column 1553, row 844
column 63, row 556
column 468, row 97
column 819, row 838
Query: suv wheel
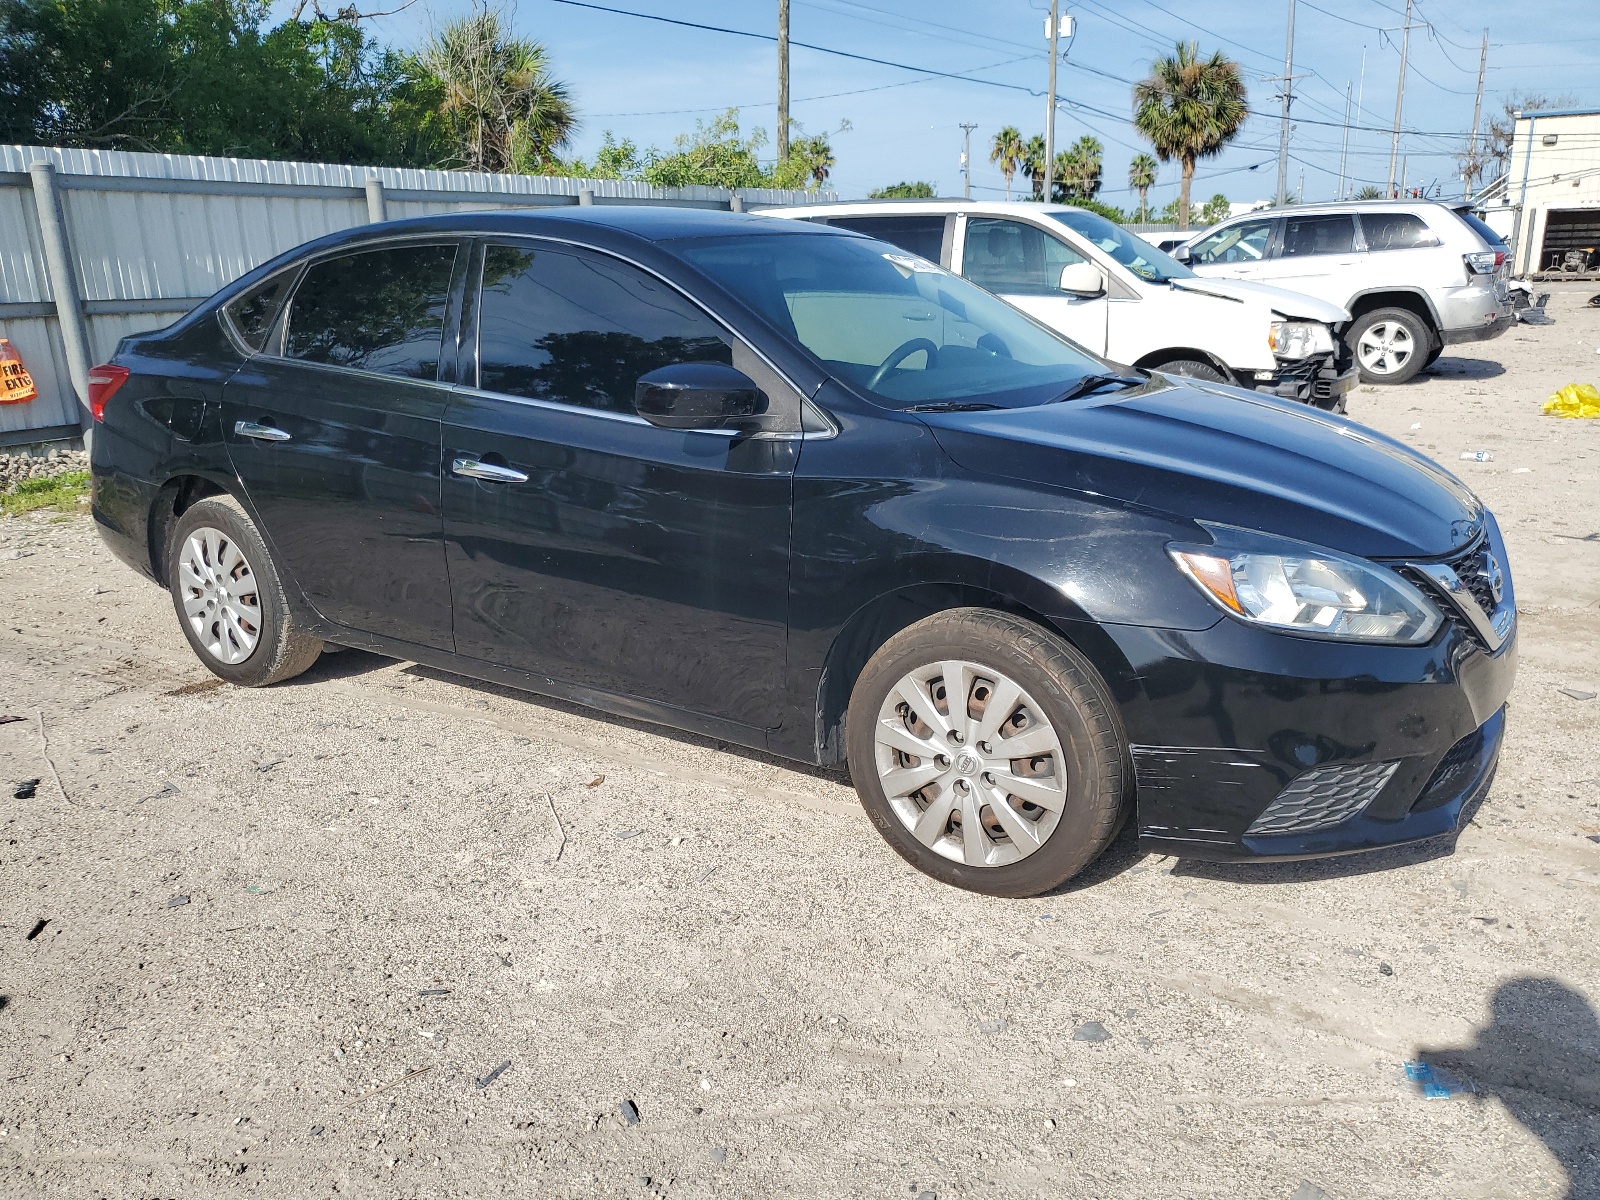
column 229, row 599
column 987, row 753
column 1390, row 344
column 1192, row 368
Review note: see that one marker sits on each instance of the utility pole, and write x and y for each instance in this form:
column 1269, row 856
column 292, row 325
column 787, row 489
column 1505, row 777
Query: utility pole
column 1361, row 95
column 783, row 79
column 1477, row 110
column 1283, row 121
column 1344, row 148
column 1400, row 95
column 966, row 156
column 1050, row 112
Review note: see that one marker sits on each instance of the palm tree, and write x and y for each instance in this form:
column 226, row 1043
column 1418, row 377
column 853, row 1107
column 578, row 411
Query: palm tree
column 1007, row 150
column 1370, row 192
column 1079, row 169
column 1141, row 178
column 503, row 107
column 1033, row 163
column 1190, row 108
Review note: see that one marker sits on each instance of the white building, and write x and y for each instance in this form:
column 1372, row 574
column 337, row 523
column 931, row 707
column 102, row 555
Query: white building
column 1549, row 200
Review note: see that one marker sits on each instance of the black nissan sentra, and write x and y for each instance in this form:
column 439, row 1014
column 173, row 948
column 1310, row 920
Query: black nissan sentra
column 793, row 488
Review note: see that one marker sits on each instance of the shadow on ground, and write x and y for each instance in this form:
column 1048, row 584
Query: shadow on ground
column 1540, row 1057
column 1464, row 368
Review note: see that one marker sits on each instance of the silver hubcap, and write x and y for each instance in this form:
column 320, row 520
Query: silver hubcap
column 1386, row 347
column 219, row 595
column 969, row 764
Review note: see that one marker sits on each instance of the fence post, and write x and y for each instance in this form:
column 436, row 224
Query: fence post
column 377, row 203
column 585, row 195
column 735, row 203
column 63, row 275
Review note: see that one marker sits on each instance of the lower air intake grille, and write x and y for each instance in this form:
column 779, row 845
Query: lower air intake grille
column 1321, row 798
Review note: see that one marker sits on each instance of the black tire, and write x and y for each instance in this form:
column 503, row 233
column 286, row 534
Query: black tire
column 282, row 649
column 1410, row 354
column 1075, row 702
column 1433, row 355
column 1193, row 368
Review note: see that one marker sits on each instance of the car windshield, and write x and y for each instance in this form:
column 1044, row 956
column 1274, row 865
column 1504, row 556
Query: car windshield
column 894, row 326
column 1138, row 255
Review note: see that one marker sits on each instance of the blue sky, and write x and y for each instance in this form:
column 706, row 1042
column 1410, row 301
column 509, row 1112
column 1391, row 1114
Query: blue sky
column 650, row 81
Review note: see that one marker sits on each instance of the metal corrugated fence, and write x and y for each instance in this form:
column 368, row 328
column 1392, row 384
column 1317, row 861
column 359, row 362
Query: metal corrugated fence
column 150, row 235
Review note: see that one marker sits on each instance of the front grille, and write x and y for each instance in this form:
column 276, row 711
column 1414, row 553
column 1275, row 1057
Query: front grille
column 1322, row 798
column 1473, row 571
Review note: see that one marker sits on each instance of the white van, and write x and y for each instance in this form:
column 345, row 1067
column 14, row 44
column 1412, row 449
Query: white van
column 1115, row 294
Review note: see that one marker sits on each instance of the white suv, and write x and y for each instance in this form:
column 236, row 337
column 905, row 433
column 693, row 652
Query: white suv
column 1115, row 294
column 1416, row 276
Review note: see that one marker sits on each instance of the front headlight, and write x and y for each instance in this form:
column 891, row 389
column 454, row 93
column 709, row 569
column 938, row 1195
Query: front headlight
column 1299, row 339
column 1306, row 589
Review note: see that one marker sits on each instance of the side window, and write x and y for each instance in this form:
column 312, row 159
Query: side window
column 252, row 314
column 1245, row 242
column 1396, row 231
column 1008, row 256
column 581, row 329
column 922, row 235
column 1318, row 235
column 377, row 310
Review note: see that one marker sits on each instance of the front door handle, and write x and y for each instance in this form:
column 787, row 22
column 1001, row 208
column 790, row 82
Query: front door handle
column 473, row 468
column 262, row 433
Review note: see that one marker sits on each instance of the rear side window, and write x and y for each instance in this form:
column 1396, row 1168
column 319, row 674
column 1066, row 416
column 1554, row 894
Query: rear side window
column 379, row 310
column 1491, row 239
column 580, row 329
column 1396, row 231
column 1009, row 257
column 253, row 313
column 1318, row 235
column 922, row 235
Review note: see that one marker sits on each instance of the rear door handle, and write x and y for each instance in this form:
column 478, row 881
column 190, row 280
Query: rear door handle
column 262, row 433
column 473, row 468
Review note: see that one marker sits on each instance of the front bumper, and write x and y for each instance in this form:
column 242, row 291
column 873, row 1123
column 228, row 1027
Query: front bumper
column 1249, row 744
column 1322, row 380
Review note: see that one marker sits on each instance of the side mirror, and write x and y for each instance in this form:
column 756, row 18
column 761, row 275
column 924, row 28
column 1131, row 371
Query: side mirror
column 1082, row 279
column 697, row 395
column 1183, row 254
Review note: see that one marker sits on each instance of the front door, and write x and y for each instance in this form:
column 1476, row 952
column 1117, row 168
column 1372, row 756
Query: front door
column 1238, row 251
column 334, row 432
column 1022, row 264
column 587, row 545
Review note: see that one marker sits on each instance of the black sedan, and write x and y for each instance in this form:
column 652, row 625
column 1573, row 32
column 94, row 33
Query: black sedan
column 797, row 489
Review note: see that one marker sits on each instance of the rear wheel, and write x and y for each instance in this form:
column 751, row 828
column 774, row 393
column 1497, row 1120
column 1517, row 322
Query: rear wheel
column 1391, row 345
column 229, row 598
column 1192, row 368
column 987, row 753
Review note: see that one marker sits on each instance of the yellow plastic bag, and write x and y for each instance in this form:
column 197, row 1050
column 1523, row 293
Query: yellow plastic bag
column 1574, row 400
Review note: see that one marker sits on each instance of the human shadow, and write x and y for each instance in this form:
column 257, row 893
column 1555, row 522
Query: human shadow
column 1540, row 1057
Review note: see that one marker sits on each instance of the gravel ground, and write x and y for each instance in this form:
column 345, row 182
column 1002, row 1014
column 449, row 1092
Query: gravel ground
column 383, row 931
column 14, row 468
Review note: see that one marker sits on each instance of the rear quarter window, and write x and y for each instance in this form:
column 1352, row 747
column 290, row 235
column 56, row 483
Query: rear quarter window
column 252, row 314
column 922, row 235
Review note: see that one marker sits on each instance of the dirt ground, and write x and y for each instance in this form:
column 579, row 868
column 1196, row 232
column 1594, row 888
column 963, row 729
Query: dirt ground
column 387, row 932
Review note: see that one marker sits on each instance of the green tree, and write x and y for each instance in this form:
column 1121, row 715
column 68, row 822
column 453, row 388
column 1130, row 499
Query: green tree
column 1033, row 163
column 1216, row 209
column 1141, row 178
column 904, row 191
column 1371, row 192
column 1008, row 151
column 503, row 108
column 717, row 154
column 1078, row 172
column 1190, row 109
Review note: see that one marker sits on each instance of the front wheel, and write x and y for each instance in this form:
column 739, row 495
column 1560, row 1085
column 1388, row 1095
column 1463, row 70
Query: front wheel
column 230, row 600
column 987, row 752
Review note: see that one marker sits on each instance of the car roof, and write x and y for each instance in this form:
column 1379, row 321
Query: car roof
column 648, row 222
column 843, row 208
column 1401, row 205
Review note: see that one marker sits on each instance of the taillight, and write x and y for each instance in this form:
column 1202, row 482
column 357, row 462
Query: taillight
column 1485, row 262
column 104, row 381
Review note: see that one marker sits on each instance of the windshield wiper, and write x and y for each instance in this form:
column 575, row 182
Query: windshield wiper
column 953, row 406
column 1093, row 383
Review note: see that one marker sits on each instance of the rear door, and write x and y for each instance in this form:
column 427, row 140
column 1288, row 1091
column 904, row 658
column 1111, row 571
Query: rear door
column 335, row 431
column 586, row 544
column 1315, row 253
column 1021, row 263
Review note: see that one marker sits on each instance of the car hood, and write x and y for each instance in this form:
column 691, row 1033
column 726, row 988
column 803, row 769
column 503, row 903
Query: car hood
column 1296, row 305
column 1200, row 453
